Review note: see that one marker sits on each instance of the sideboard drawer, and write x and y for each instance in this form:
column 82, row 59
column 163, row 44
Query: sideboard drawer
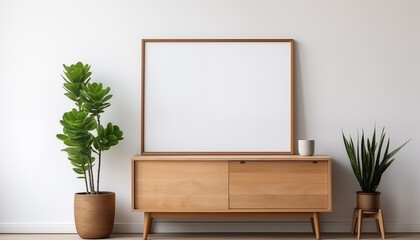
column 287, row 185
column 180, row 185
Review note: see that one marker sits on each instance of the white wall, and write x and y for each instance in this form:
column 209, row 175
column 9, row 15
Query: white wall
column 357, row 64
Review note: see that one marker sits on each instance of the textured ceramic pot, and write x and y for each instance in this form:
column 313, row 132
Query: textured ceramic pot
column 94, row 214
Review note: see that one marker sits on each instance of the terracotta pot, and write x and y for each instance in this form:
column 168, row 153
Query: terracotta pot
column 368, row 201
column 94, row 214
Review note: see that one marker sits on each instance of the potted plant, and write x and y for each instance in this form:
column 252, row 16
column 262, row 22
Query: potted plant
column 86, row 138
column 369, row 159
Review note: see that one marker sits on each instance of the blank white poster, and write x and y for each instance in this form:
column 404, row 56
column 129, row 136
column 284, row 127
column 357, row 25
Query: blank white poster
column 217, row 97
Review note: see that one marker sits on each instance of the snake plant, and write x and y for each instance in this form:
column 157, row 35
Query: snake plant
column 370, row 158
column 83, row 133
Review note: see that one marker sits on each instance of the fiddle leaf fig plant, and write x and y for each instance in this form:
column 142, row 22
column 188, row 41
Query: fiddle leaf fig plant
column 83, row 134
column 369, row 159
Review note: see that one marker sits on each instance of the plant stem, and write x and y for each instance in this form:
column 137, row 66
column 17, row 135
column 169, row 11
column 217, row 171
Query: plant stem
column 91, row 180
column 99, row 155
column 86, row 183
column 99, row 171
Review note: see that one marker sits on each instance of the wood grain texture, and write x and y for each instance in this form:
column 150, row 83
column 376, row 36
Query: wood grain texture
column 181, row 186
column 231, row 186
column 301, row 186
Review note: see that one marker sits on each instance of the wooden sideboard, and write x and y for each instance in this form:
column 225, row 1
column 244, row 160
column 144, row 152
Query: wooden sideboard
column 231, row 186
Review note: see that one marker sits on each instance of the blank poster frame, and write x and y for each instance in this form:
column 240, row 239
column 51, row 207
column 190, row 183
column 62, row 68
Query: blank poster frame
column 217, row 96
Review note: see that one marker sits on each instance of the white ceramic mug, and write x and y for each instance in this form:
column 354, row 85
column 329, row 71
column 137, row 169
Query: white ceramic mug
column 306, row 147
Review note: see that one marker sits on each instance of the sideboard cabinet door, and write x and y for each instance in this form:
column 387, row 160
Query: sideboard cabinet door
column 180, row 186
column 285, row 185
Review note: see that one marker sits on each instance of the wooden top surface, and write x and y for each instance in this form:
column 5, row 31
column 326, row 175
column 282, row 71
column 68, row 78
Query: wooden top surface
column 230, row 157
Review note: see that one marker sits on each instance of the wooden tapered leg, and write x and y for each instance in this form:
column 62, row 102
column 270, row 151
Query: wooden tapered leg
column 150, row 225
column 316, row 225
column 147, row 225
column 378, row 228
column 354, row 221
column 380, row 220
column 359, row 224
column 312, row 224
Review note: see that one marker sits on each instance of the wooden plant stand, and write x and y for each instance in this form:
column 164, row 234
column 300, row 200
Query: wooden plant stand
column 359, row 214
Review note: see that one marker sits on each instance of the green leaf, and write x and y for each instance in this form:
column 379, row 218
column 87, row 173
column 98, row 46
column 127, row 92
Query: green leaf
column 62, row 137
column 367, row 159
column 79, row 124
column 78, row 171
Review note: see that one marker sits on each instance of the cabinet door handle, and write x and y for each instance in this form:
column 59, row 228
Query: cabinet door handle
column 242, row 162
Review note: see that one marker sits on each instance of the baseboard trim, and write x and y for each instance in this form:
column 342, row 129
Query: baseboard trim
column 37, row 228
column 215, row 227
